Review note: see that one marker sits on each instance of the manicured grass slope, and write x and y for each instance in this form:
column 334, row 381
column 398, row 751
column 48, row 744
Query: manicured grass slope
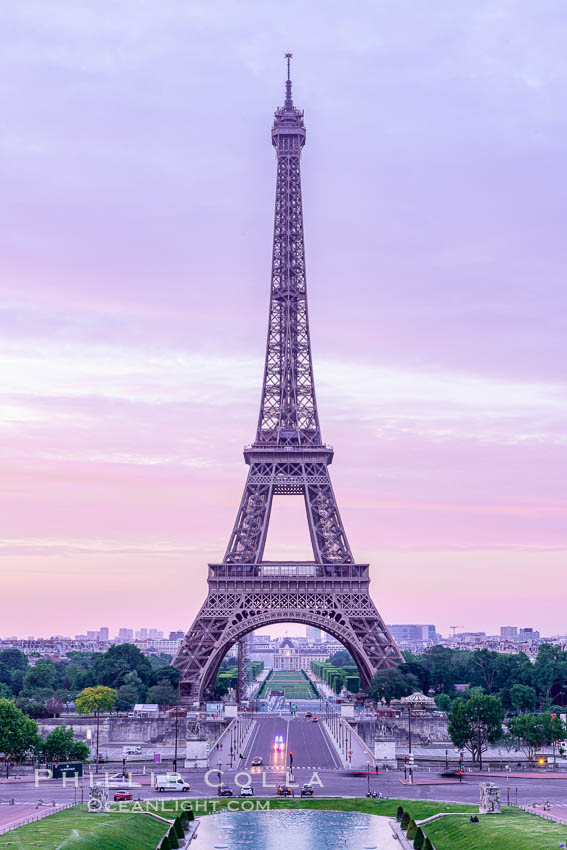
column 387, row 808
column 508, row 831
column 87, row 831
column 295, row 685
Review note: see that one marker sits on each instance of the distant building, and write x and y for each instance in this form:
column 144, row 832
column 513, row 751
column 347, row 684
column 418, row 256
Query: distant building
column 103, row 634
column 405, row 633
column 509, row 632
column 160, row 645
column 176, row 635
column 528, row 635
column 314, row 635
column 290, row 657
column 125, row 635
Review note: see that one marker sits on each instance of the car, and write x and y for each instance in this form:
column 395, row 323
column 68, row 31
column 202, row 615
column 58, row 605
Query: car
column 285, row 791
column 306, row 790
column 246, row 791
column 258, row 761
column 308, row 714
column 224, row 791
column 122, row 795
column 315, row 720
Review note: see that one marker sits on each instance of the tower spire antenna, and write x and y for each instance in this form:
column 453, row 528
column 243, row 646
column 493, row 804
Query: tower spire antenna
column 288, row 98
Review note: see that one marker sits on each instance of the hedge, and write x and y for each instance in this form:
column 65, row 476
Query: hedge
column 419, row 839
column 173, row 840
column 428, row 845
column 399, row 813
column 405, row 821
column 412, row 829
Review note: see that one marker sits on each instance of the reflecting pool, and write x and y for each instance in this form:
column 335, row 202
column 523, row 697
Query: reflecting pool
column 294, row 830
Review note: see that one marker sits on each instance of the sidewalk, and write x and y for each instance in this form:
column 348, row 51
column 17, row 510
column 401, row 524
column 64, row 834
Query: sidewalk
column 13, row 816
column 557, row 813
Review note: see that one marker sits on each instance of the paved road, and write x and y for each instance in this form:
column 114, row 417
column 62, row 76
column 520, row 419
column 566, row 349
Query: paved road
column 334, row 783
column 274, row 737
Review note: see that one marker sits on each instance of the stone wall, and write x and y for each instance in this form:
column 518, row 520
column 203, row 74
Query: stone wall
column 425, row 729
column 120, row 729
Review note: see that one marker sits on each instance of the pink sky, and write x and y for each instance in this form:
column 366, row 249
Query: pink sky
column 135, row 236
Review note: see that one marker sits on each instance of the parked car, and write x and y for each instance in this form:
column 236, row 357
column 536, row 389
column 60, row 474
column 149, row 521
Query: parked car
column 122, row 795
column 224, row 791
column 308, row 714
column 247, row 791
column 258, row 761
column 307, row 790
column 285, row 791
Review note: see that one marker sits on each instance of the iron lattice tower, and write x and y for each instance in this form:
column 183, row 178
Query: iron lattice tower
column 288, row 457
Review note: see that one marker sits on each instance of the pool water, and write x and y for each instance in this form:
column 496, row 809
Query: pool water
column 294, row 830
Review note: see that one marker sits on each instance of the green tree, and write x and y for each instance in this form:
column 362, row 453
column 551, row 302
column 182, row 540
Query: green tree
column 530, row 732
column 523, row 697
column 133, row 680
column 166, row 674
column 173, row 839
column 550, row 672
column 163, row 694
column 178, row 826
column 127, row 697
column 412, row 829
column 112, row 667
column 443, row 702
column 18, row 733
column 165, row 844
column 428, row 845
column 14, row 659
column 341, row 658
column 60, row 745
column 77, row 677
column 419, row 839
column 5, row 691
column 475, row 723
column 93, row 701
column 31, row 707
column 392, row 684
column 43, row 675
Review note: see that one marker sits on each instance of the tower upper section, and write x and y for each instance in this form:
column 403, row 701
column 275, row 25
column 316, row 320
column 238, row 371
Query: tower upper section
column 288, row 132
column 288, row 410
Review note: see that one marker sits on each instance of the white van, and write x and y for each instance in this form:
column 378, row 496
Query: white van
column 171, row 782
column 132, row 750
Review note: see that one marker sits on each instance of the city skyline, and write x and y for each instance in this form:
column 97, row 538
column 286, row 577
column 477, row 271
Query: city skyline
column 132, row 343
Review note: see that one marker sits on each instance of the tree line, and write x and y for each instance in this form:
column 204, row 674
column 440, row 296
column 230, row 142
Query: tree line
column 520, row 684
column 49, row 686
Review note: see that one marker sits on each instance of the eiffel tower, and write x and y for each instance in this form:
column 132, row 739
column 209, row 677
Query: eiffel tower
column 288, row 457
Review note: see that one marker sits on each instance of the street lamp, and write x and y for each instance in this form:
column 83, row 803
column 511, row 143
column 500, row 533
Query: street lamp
column 479, row 738
column 176, row 736
column 409, row 745
column 368, row 777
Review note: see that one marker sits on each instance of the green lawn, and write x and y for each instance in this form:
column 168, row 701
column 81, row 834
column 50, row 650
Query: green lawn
column 508, row 831
column 295, row 685
column 76, row 829
column 387, row 808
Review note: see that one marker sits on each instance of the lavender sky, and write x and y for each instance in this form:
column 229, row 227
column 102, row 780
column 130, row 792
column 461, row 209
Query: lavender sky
column 137, row 181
